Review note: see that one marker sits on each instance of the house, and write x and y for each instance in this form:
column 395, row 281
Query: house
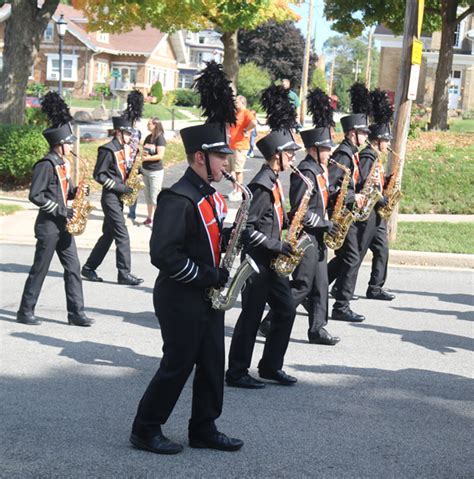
column 134, row 59
column 461, row 81
column 193, row 49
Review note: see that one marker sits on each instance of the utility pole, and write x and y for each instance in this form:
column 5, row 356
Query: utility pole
column 356, row 76
column 369, row 55
column 406, row 92
column 331, row 75
column 307, row 53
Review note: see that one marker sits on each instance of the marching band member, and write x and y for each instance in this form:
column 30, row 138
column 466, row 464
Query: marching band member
column 344, row 266
column 111, row 171
column 310, row 279
column 373, row 232
column 51, row 188
column 185, row 245
column 265, row 223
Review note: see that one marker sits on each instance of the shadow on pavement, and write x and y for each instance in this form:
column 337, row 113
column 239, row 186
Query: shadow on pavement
column 467, row 299
column 462, row 315
column 432, row 340
column 25, row 269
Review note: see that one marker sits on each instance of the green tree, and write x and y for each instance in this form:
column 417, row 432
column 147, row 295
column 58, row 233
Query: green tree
column 252, row 80
column 24, row 29
column 352, row 17
column 347, row 53
column 227, row 16
column 318, row 80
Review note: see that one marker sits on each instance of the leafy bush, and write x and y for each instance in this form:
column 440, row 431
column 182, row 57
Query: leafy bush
column 418, row 121
column 157, row 91
column 468, row 115
column 102, row 90
column 35, row 117
column 252, row 80
column 169, row 99
column 318, row 80
column 36, row 89
column 22, row 147
column 186, row 97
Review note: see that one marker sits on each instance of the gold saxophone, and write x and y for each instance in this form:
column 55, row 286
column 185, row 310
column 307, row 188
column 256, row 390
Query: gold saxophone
column 341, row 215
column 134, row 181
column 371, row 193
column 285, row 265
column 81, row 206
column 393, row 191
column 220, row 299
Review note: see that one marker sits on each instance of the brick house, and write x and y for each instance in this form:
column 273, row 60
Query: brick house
column 135, row 59
column 461, row 82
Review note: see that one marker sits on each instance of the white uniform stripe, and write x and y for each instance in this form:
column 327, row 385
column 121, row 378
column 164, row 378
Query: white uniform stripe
column 261, row 241
column 195, row 274
column 180, row 271
column 182, row 278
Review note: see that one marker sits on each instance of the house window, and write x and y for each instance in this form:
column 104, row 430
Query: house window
column 102, row 71
column 202, row 39
column 1, row 61
column 186, row 80
column 48, row 34
column 196, row 57
column 69, row 67
column 126, row 76
column 458, row 34
column 103, row 37
column 152, row 76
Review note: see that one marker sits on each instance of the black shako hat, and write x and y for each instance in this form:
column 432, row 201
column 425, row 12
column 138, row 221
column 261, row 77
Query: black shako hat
column 218, row 105
column 56, row 109
column 319, row 106
column 122, row 123
column 382, row 113
column 281, row 118
column 361, row 108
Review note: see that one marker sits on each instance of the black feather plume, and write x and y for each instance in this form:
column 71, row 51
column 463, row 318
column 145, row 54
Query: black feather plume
column 319, row 107
column 217, row 97
column 281, row 114
column 382, row 110
column 360, row 99
column 135, row 103
column 56, row 109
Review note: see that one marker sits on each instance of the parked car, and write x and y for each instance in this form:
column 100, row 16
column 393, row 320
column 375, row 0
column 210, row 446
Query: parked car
column 32, row 102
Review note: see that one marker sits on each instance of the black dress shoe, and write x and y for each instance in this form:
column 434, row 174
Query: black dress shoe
column 279, row 376
column 265, row 328
column 80, row 320
column 28, row 318
column 130, row 280
column 90, row 275
column 216, row 440
column 245, row 382
column 380, row 294
column 158, row 444
column 348, row 315
column 323, row 337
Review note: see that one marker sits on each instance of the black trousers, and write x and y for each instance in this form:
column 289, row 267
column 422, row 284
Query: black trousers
column 309, row 283
column 343, row 269
column 262, row 288
column 193, row 334
column 113, row 229
column 51, row 236
column 373, row 236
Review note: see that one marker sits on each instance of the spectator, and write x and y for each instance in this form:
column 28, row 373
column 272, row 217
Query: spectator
column 240, row 142
column 294, row 98
column 152, row 168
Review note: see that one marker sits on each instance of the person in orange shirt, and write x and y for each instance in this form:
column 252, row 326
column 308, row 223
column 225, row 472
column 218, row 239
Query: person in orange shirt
column 240, row 142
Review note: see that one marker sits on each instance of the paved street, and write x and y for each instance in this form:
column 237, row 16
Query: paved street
column 393, row 399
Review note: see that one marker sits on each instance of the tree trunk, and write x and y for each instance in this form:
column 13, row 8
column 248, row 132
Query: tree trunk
column 231, row 57
column 23, row 31
column 439, row 112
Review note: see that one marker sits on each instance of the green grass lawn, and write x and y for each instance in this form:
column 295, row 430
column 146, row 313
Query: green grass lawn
column 439, row 179
column 160, row 111
column 462, row 126
column 9, row 209
column 436, row 237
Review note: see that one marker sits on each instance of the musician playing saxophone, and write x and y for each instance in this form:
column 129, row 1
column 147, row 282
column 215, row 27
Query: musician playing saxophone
column 373, row 232
column 344, row 266
column 310, row 279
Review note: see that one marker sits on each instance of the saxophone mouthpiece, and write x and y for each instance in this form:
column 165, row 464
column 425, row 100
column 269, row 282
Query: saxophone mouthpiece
column 228, row 176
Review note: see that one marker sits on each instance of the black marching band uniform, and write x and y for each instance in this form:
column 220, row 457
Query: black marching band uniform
column 343, row 268
column 266, row 220
column 51, row 188
column 185, row 245
column 373, row 232
column 111, row 171
column 309, row 283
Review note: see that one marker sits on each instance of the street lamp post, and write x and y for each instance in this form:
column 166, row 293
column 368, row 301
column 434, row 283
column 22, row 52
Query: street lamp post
column 61, row 28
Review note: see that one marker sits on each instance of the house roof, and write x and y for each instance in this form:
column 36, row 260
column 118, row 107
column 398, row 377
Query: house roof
column 134, row 42
column 383, row 30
